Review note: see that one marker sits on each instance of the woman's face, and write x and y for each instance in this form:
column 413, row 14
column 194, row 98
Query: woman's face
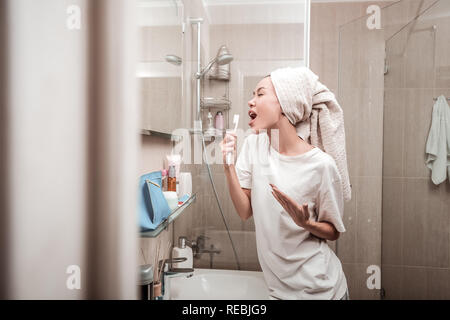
column 265, row 110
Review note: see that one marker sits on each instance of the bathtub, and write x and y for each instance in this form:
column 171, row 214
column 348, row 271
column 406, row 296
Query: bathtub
column 216, row 284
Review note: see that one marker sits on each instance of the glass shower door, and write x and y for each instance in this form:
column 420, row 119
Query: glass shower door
column 388, row 77
column 415, row 220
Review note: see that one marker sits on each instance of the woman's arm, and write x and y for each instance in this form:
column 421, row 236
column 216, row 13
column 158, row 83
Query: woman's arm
column 323, row 229
column 239, row 196
column 300, row 215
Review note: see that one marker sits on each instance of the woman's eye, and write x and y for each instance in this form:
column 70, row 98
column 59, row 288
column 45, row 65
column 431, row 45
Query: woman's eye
column 260, row 94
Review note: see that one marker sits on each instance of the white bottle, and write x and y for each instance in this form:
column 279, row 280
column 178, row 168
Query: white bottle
column 183, row 251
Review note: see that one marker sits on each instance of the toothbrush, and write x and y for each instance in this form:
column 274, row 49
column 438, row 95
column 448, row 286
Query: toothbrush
column 230, row 154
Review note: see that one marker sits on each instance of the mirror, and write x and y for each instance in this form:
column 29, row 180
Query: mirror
column 160, row 64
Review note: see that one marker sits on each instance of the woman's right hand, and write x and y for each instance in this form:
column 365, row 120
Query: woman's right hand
column 228, row 144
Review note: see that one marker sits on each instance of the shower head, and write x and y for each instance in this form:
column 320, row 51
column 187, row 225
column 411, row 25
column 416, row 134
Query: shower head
column 224, row 59
column 173, row 59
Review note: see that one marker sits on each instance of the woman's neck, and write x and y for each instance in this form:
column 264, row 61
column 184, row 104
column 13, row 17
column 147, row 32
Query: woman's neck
column 287, row 142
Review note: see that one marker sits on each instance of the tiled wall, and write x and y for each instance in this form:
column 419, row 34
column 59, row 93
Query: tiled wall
column 359, row 76
column 416, row 220
column 386, row 154
column 257, row 50
column 361, row 97
column 325, row 21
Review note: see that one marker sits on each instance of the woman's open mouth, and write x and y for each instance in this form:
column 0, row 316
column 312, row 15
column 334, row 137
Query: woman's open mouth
column 252, row 115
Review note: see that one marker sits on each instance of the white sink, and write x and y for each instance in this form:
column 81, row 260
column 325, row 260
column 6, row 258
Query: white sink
column 213, row 284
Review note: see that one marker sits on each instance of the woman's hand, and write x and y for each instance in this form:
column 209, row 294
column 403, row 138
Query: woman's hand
column 228, row 144
column 299, row 214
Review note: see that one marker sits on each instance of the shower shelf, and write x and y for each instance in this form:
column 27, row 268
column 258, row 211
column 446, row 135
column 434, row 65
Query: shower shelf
column 174, row 137
column 218, row 132
column 175, row 213
column 219, row 78
column 211, row 102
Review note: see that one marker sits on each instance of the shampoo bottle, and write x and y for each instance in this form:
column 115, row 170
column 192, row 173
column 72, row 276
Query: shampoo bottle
column 172, row 180
column 182, row 251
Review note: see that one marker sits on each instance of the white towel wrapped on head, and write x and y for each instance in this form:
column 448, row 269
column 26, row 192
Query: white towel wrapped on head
column 314, row 111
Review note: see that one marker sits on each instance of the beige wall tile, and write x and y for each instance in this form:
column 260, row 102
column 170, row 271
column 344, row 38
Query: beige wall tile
column 368, row 215
column 349, row 56
column 332, row 245
column 414, row 283
column 403, row 282
column 438, row 235
column 425, row 226
column 356, row 275
column 442, row 56
column 393, row 132
column 349, row 101
column 394, row 18
column 438, row 283
column 364, row 131
column 324, row 42
column 419, row 58
column 348, row 12
column 259, row 41
column 392, row 221
column 395, row 61
column 250, row 257
column 392, row 281
column 371, row 58
column 158, row 41
column 346, row 244
column 151, row 146
column 446, row 205
column 161, row 103
column 325, row 21
column 226, row 258
column 350, row 275
column 147, row 254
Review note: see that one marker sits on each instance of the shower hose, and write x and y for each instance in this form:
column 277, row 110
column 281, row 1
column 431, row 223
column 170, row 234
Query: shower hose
column 217, row 199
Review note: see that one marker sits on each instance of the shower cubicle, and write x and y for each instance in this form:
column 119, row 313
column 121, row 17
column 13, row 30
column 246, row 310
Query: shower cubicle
column 389, row 78
column 229, row 47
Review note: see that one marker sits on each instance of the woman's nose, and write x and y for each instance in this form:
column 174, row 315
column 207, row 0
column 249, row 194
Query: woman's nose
column 251, row 103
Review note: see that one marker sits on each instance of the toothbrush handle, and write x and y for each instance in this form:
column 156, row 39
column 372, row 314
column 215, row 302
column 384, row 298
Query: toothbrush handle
column 229, row 158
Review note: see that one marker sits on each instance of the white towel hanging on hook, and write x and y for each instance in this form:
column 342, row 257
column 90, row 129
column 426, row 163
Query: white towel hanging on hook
column 438, row 143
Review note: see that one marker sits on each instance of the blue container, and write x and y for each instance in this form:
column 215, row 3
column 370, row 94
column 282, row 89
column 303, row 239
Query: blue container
column 153, row 208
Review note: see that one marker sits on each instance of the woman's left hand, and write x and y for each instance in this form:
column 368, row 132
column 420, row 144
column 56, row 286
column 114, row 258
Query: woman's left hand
column 299, row 214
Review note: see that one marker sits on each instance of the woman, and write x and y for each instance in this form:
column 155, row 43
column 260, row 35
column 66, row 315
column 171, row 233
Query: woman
column 293, row 191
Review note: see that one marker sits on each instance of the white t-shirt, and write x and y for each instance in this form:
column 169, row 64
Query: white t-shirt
column 295, row 263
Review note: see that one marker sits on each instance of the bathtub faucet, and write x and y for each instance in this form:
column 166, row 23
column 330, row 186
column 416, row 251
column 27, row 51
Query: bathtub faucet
column 199, row 247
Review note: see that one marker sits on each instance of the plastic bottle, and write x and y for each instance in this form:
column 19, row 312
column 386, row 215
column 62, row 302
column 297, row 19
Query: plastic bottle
column 172, row 180
column 219, row 121
column 210, row 125
column 182, row 251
